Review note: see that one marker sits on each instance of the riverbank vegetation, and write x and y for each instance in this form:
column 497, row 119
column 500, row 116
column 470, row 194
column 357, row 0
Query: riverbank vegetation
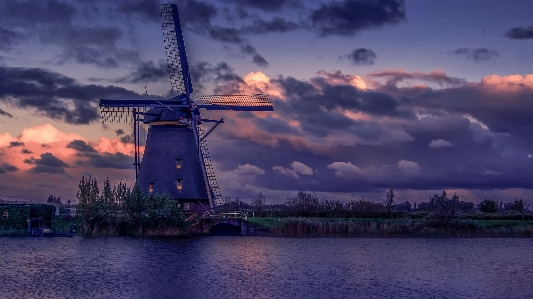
column 124, row 211
column 306, row 215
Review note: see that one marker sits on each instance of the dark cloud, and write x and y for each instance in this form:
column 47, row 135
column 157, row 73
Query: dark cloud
column 257, row 59
column 16, row 143
column 54, row 95
column 81, row 146
column 267, row 5
column 100, row 160
column 52, row 23
column 48, row 163
column 349, row 17
column 4, row 113
column 126, row 139
column 396, row 76
column 26, row 151
column 107, row 160
column 147, row 72
column 119, row 132
column 204, row 72
column 520, row 33
column 146, row 10
column 477, row 55
column 276, row 25
column 5, row 167
column 361, row 56
column 260, row 60
column 9, row 38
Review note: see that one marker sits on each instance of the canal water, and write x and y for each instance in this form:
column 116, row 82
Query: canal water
column 262, row 267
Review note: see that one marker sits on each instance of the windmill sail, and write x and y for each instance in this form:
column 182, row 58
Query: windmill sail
column 178, row 67
column 258, row 102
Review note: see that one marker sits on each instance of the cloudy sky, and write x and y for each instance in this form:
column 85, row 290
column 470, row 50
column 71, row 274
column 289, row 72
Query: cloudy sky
column 417, row 95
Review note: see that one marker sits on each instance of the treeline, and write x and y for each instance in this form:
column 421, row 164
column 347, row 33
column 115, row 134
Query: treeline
column 308, row 204
column 121, row 210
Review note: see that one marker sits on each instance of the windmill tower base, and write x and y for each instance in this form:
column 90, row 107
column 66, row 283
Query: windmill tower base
column 171, row 164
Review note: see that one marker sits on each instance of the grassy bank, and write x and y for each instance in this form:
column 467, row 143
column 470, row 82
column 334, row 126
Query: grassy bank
column 378, row 227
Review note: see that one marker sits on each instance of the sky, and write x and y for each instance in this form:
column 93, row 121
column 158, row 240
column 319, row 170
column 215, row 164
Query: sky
column 420, row 96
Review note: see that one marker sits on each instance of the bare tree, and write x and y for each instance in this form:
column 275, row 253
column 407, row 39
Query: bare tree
column 258, row 203
column 390, row 201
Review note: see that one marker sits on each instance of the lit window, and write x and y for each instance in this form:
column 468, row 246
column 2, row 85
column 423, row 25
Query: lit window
column 151, row 188
column 179, row 184
column 185, row 205
column 178, row 164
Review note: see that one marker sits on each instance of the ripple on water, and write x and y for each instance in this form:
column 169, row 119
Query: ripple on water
column 257, row 267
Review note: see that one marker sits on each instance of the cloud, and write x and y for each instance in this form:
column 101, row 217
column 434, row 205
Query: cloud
column 145, row 10
column 108, row 160
column 439, row 143
column 9, row 38
column 81, row 146
column 52, row 23
column 4, row 113
column 361, row 56
column 520, row 33
column 48, row 163
column 147, row 72
column 260, row 60
column 276, row 25
column 408, row 167
column 6, row 167
column 119, row 132
column 26, row 151
column 249, row 169
column 477, row 55
column 350, row 17
column 267, row 5
column 15, row 144
column 396, row 76
column 345, row 169
column 97, row 159
column 301, row 168
column 286, row 171
column 297, row 168
column 54, row 95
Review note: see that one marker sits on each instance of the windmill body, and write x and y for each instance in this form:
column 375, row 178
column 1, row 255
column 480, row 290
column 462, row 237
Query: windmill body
column 176, row 159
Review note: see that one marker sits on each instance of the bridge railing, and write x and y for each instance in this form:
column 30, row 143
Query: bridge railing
column 230, row 214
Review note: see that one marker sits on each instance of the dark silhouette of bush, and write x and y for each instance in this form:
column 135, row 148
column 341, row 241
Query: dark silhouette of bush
column 518, row 205
column 443, row 210
column 488, row 205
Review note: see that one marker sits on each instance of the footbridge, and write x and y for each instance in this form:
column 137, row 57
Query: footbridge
column 230, row 223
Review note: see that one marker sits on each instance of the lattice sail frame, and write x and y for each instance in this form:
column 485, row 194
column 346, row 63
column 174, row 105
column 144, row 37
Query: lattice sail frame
column 170, row 40
column 229, row 101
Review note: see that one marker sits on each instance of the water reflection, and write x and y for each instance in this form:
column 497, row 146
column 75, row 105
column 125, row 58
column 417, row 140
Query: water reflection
column 259, row 267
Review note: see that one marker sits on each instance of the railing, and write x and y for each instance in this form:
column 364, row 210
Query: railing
column 210, row 172
column 232, row 214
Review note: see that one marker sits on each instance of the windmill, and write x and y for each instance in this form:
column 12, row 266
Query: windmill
column 176, row 159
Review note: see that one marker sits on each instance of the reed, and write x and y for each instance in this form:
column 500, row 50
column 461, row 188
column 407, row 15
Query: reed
column 315, row 228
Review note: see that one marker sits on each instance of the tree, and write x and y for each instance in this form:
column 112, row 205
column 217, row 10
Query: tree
column 404, row 206
column 258, row 203
column 303, row 204
column 488, row 205
column 518, row 205
column 443, row 210
column 88, row 195
column 390, row 201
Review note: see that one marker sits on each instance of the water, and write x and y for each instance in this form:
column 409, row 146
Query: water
column 261, row 267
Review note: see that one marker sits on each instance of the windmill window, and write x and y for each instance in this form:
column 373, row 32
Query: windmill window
column 179, row 184
column 185, row 205
column 151, row 188
column 178, row 164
